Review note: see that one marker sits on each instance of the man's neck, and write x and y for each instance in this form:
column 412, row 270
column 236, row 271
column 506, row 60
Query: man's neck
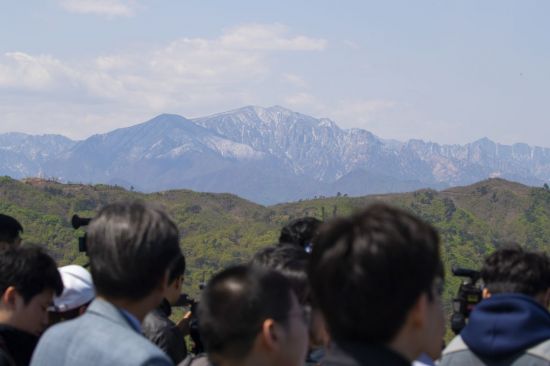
column 250, row 360
column 404, row 345
column 6, row 318
column 7, row 321
column 139, row 309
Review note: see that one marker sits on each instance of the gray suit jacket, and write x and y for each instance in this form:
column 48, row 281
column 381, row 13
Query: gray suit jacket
column 101, row 336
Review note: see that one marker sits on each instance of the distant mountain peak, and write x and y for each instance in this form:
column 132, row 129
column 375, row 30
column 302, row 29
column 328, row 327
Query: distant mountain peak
column 167, row 118
column 266, row 154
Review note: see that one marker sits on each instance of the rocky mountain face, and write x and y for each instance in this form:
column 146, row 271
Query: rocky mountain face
column 267, row 155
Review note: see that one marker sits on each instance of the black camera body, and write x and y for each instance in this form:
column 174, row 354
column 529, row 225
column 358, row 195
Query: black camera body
column 194, row 332
column 467, row 297
column 77, row 222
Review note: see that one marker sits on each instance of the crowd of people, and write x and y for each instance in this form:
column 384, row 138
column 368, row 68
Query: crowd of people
column 359, row 290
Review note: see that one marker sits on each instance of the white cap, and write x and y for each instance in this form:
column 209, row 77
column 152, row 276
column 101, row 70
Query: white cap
column 78, row 288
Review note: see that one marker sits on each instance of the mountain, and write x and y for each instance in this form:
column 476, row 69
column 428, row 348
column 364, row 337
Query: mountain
column 158, row 154
column 267, row 155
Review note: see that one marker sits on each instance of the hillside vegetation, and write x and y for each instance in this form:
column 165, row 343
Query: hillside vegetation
column 221, row 229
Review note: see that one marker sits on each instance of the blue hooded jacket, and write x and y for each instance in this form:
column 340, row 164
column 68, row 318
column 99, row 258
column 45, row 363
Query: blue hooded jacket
column 505, row 324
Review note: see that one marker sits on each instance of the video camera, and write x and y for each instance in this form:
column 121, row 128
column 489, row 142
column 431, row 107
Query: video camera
column 194, row 331
column 77, row 222
column 188, row 302
column 467, row 297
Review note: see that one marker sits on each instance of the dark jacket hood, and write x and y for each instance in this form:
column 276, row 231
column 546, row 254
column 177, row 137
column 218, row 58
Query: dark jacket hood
column 505, row 324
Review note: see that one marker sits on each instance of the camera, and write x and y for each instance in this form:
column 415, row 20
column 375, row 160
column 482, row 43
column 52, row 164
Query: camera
column 194, row 331
column 77, row 222
column 467, row 297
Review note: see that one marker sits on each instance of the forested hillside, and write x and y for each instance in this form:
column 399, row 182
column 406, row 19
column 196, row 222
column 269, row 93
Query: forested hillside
column 220, row 229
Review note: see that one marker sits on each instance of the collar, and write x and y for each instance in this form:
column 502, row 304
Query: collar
column 360, row 353
column 165, row 308
column 131, row 319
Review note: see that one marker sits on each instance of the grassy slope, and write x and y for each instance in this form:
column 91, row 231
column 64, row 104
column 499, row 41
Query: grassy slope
column 220, row 229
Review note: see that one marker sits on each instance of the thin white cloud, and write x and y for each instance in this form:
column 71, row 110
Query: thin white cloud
column 351, row 44
column 304, row 100
column 349, row 113
column 189, row 76
column 273, row 37
column 359, row 113
column 295, row 80
column 109, row 8
column 21, row 71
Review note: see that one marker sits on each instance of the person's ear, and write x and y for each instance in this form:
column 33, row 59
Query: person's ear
column 10, row 296
column 547, row 298
column 419, row 311
column 270, row 336
column 485, row 293
column 179, row 283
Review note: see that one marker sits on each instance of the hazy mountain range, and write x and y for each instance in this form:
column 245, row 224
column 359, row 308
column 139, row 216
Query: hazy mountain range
column 267, row 155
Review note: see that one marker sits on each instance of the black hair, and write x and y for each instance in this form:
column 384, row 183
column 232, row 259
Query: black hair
column 234, row 305
column 368, row 270
column 30, row 270
column 131, row 245
column 9, row 229
column 291, row 262
column 177, row 268
column 513, row 269
column 300, row 231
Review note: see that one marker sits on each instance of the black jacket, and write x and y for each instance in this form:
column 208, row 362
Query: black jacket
column 158, row 328
column 361, row 354
column 16, row 346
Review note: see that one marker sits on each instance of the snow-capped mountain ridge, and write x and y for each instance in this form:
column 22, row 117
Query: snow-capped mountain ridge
column 267, row 155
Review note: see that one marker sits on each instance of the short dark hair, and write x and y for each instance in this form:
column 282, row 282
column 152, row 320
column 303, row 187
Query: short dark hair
column 131, row 245
column 177, row 268
column 235, row 304
column 30, row 270
column 291, row 262
column 300, row 231
column 9, row 229
column 513, row 269
column 368, row 270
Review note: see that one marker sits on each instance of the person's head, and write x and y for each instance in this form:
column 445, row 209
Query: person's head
column 300, row 232
column 513, row 269
column 131, row 246
column 28, row 281
column 290, row 261
column 10, row 230
column 78, row 293
column 249, row 315
column 374, row 276
column 175, row 280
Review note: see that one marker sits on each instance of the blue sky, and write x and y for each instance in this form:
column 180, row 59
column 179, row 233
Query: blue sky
column 445, row 71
